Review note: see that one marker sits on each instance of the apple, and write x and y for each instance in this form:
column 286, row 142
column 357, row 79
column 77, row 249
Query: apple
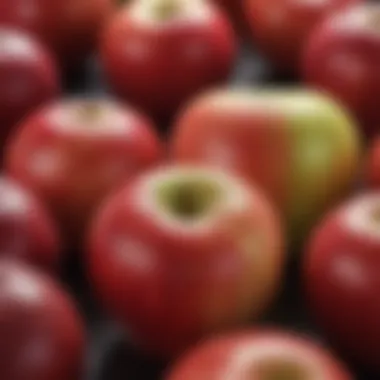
column 72, row 152
column 69, row 27
column 42, row 332
column 342, row 271
column 342, row 58
column 28, row 77
column 260, row 354
column 373, row 165
column 234, row 10
column 27, row 231
column 281, row 28
column 182, row 252
column 300, row 146
column 159, row 53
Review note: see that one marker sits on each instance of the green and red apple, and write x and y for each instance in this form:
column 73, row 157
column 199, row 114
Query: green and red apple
column 300, row 146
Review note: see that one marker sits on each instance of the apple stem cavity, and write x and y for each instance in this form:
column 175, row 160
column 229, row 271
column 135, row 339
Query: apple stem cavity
column 166, row 9
column 90, row 111
column 189, row 199
column 281, row 370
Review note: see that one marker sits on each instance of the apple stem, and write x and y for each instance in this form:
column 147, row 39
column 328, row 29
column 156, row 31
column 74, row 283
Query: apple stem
column 166, row 9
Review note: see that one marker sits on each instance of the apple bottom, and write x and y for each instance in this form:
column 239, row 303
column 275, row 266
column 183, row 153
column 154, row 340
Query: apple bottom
column 258, row 355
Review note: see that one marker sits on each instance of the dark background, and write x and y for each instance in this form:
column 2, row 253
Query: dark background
column 110, row 356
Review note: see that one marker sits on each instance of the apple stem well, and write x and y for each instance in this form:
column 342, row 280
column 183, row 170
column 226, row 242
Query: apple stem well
column 90, row 111
column 166, row 9
column 189, row 198
column 276, row 369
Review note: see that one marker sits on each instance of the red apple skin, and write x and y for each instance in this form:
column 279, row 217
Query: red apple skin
column 342, row 58
column 70, row 28
column 27, row 231
column 159, row 65
column 73, row 152
column 28, row 77
column 241, row 355
column 42, row 333
column 281, row 28
column 373, row 168
column 341, row 273
column 146, row 293
column 235, row 12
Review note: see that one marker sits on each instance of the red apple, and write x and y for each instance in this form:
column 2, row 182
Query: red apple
column 42, row 333
column 373, row 168
column 158, row 53
column 342, row 272
column 343, row 57
column 183, row 252
column 69, row 27
column 27, row 231
column 259, row 355
column 281, row 28
column 73, row 152
column 28, row 77
column 235, row 12
column 300, row 146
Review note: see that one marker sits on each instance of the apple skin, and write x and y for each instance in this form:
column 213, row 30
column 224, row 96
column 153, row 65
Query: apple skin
column 341, row 272
column 373, row 165
column 159, row 64
column 245, row 354
column 73, row 152
column 281, row 28
column 70, row 27
column 235, row 11
column 28, row 77
column 42, row 332
column 342, row 58
column 27, row 231
column 298, row 145
column 143, row 266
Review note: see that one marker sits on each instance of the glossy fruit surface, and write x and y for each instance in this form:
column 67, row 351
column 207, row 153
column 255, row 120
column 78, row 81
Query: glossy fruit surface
column 157, row 54
column 343, row 57
column 28, row 77
column 373, row 165
column 69, row 27
column 73, row 152
column 27, row 231
column 183, row 252
column 42, row 333
column 259, row 355
column 342, row 272
column 301, row 147
column 281, row 28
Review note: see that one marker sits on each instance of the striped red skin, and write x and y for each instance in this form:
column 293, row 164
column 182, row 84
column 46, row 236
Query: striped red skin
column 343, row 57
column 342, row 278
column 373, row 168
column 217, row 358
column 86, row 164
column 281, row 28
column 70, row 27
column 192, row 55
column 194, row 283
column 260, row 154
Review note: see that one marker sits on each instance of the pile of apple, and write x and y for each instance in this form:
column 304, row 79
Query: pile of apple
column 186, row 240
